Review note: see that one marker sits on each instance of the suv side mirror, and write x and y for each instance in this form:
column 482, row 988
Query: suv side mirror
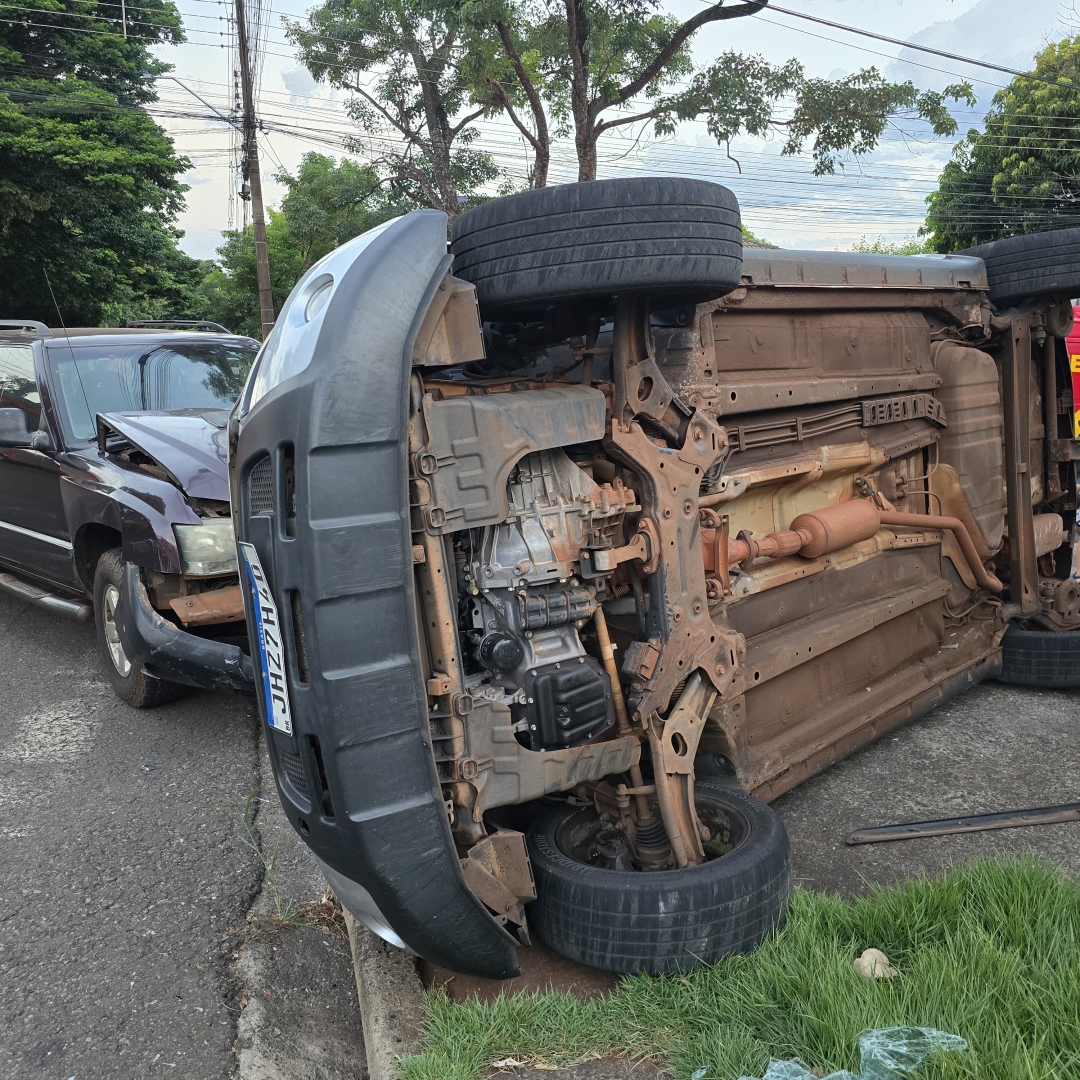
column 43, row 441
column 13, row 429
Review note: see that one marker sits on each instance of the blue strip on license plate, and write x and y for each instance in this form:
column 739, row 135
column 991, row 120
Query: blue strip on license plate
column 271, row 645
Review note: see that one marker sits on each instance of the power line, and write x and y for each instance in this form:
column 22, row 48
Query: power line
column 908, row 44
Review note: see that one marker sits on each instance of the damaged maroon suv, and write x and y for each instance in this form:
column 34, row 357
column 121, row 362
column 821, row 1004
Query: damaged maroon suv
column 568, row 549
column 114, row 495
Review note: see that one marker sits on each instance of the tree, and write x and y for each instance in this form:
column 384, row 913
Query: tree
column 325, row 205
column 505, row 65
column 88, row 182
column 912, row 246
column 412, row 111
column 586, row 67
column 609, row 64
column 1021, row 174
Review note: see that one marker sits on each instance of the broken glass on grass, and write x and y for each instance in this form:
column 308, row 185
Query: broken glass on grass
column 884, row 1054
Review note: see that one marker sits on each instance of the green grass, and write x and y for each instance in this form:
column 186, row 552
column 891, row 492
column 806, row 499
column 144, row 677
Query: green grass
column 989, row 951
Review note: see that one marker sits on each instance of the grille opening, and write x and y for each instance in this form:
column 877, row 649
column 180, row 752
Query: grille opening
column 288, row 484
column 299, row 636
column 324, row 794
column 293, row 768
column 260, row 488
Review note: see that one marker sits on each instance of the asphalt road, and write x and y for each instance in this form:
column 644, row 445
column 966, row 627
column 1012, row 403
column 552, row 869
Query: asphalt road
column 995, row 747
column 127, row 870
column 125, row 866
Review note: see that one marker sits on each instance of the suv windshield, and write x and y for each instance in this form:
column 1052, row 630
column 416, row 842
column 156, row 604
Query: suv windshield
column 144, row 375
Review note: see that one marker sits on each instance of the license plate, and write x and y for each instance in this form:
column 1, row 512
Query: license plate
column 271, row 649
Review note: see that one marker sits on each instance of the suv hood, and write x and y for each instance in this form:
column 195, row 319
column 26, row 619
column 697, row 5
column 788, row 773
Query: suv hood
column 191, row 445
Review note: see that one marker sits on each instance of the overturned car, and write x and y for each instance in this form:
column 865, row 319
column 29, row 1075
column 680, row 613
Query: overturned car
column 568, row 550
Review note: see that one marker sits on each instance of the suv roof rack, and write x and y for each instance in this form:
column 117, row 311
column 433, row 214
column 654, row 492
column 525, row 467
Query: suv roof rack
column 189, row 324
column 25, row 326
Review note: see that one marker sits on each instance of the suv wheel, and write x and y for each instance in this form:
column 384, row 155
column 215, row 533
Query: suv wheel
column 1046, row 658
column 128, row 680
column 1035, row 264
column 670, row 237
column 663, row 920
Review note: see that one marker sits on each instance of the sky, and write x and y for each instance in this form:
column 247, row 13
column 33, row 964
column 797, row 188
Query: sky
column 882, row 195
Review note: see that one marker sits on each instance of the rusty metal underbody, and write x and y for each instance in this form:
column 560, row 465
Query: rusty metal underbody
column 210, row 607
column 771, row 535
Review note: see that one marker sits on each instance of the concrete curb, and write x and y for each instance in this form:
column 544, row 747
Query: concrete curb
column 391, row 999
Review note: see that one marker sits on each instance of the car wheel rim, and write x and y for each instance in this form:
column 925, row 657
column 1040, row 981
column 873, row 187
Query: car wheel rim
column 586, row 838
column 112, row 635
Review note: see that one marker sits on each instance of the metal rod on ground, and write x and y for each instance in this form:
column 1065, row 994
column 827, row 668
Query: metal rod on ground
column 1006, row 819
column 251, row 161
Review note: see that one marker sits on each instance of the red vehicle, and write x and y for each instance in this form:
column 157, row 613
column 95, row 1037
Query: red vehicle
column 1072, row 342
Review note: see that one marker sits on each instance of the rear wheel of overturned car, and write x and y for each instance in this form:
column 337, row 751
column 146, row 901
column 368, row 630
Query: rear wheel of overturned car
column 666, row 920
column 677, row 239
column 1046, row 658
column 1036, row 264
column 130, row 683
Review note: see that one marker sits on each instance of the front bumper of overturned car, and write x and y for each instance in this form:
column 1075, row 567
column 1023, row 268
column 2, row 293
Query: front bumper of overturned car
column 356, row 773
column 162, row 649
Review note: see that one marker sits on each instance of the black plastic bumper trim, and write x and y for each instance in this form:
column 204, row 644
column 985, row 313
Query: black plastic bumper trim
column 348, row 557
column 170, row 653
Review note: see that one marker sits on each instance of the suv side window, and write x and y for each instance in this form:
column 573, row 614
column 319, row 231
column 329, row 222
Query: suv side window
column 18, row 384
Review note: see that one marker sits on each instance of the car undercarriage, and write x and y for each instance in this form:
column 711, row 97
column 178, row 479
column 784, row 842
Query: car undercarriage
column 573, row 585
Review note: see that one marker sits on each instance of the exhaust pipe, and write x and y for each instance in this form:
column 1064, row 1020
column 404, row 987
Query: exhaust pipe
column 822, row 532
column 73, row 609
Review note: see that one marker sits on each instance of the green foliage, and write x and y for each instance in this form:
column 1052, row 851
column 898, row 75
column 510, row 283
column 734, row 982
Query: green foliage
column 506, row 65
column 989, row 951
column 411, row 114
column 757, row 241
column 745, row 93
column 611, row 63
column 881, row 246
column 586, row 67
column 850, row 114
column 1021, row 174
column 325, row 205
column 88, row 182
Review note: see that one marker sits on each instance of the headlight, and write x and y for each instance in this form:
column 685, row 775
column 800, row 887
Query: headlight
column 208, row 549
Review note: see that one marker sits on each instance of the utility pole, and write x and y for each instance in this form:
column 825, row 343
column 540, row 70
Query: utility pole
column 251, row 174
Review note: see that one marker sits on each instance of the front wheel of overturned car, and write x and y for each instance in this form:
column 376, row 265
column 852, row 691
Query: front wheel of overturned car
column 129, row 681
column 677, row 239
column 667, row 920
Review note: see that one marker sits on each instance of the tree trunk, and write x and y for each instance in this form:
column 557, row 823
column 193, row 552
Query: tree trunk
column 541, row 142
column 577, row 25
column 586, row 154
column 541, row 164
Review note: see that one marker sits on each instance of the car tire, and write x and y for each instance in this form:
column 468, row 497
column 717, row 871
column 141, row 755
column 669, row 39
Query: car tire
column 130, row 682
column 1037, row 264
column 674, row 238
column 1046, row 658
column 668, row 920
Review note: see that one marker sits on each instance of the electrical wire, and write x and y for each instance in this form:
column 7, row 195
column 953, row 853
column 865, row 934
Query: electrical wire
column 290, row 123
column 908, row 44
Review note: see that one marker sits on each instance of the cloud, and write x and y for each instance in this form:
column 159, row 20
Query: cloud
column 303, row 88
column 1006, row 32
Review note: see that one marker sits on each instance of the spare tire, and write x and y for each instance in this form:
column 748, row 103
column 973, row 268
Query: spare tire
column 1046, row 658
column 664, row 920
column 1037, row 264
column 674, row 238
